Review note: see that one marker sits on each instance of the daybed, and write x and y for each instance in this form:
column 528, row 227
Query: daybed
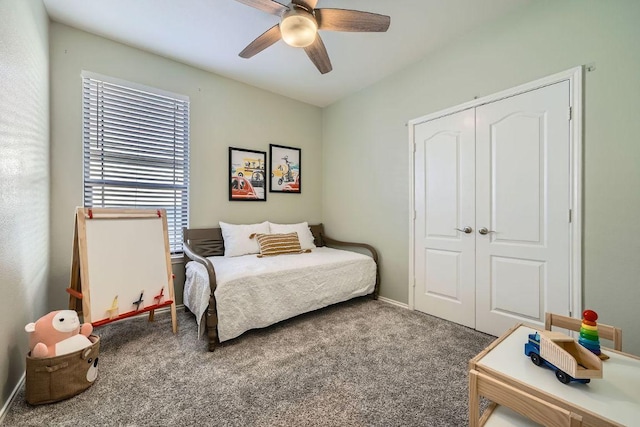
column 239, row 293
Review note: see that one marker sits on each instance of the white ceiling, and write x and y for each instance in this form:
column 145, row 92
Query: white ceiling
column 209, row 34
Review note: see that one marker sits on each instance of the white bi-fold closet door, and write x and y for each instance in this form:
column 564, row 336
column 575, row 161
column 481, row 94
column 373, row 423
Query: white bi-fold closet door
column 492, row 198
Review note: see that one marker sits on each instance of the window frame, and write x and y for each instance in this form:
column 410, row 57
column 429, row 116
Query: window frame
column 181, row 139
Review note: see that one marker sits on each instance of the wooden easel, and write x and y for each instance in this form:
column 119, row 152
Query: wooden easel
column 119, row 254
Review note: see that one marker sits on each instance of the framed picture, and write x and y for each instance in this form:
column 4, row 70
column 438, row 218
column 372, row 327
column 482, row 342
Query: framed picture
column 285, row 169
column 247, row 178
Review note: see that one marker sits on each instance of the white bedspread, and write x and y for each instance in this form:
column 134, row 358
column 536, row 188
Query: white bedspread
column 256, row 292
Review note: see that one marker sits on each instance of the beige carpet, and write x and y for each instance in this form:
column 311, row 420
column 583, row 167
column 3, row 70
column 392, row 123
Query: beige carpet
column 359, row 363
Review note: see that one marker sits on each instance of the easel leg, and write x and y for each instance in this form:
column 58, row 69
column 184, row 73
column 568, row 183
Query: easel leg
column 174, row 318
column 75, row 294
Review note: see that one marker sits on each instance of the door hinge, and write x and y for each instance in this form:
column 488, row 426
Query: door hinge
column 414, row 282
column 570, row 113
column 414, row 215
column 570, row 215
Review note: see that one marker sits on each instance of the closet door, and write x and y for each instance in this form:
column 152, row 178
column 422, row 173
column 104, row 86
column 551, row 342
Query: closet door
column 444, row 256
column 522, row 202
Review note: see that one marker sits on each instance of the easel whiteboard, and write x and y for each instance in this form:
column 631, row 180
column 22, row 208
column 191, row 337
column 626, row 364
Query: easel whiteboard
column 124, row 262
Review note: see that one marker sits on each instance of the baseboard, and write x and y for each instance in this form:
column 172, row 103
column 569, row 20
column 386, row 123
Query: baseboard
column 9, row 402
column 393, row 302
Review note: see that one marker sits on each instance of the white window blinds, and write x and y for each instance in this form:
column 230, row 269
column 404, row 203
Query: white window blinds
column 136, row 149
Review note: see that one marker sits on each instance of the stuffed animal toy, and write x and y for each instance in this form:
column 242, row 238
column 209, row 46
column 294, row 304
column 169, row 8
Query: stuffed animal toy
column 58, row 333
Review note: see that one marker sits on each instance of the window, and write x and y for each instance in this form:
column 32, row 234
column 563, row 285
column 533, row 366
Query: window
column 136, row 149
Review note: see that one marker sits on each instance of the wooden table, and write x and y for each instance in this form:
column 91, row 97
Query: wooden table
column 613, row 400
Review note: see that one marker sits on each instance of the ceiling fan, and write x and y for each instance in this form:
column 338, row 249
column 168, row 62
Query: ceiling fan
column 299, row 25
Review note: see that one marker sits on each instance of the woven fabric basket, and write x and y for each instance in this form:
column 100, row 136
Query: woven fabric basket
column 57, row 378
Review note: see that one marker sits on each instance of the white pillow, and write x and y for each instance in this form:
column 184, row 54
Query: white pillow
column 236, row 238
column 304, row 233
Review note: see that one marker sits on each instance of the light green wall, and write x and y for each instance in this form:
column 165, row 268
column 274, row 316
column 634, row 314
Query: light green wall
column 24, row 180
column 224, row 113
column 365, row 140
column 361, row 190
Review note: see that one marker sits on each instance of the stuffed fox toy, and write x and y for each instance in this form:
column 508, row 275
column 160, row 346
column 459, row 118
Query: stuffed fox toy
column 58, row 333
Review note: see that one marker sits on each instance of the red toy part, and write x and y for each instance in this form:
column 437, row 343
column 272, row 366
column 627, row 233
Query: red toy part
column 590, row 315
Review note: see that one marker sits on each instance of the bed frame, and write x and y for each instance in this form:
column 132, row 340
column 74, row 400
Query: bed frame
column 200, row 243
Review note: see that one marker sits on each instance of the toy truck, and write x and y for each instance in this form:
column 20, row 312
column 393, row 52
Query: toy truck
column 562, row 354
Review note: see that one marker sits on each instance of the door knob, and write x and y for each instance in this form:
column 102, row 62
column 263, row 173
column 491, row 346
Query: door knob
column 467, row 229
column 484, row 231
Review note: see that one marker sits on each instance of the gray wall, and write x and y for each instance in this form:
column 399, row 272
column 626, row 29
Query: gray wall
column 224, row 113
column 24, row 179
column 365, row 139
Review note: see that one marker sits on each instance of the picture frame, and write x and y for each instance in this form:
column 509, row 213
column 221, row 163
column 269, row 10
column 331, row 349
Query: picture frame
column 247, row 177
column 285, row 169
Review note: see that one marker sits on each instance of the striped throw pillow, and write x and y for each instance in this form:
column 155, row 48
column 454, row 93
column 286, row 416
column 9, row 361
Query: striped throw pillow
column 277, row 244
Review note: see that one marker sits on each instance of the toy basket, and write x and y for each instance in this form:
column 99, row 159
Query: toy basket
column 57, row 378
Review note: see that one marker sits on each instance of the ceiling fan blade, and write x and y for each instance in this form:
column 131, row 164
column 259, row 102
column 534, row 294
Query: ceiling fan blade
column 269, row 6
column 351, row 20
column 318, row 55
column 262, row 42
column 308, row 4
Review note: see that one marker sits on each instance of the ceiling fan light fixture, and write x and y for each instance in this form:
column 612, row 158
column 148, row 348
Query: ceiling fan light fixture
column 298, row 28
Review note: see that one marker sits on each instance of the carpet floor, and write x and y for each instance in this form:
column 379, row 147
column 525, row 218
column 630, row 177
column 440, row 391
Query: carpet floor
column 358, row 363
